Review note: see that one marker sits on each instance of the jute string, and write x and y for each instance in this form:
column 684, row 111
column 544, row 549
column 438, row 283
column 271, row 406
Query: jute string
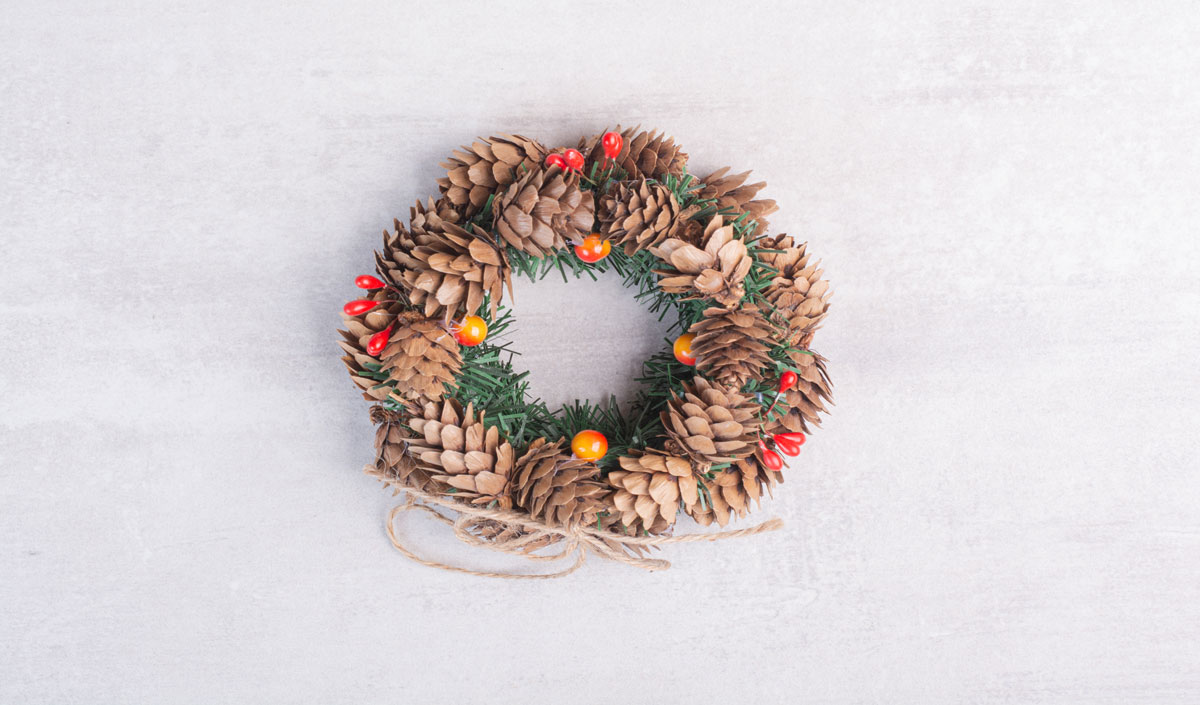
column 577, row 541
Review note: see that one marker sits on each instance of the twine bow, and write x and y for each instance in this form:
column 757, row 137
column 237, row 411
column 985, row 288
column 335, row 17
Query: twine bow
column 577, row 541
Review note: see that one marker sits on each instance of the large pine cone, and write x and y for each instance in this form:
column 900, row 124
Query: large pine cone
column 463, row 453
column 714, row 272
column 649, row 486
column 798, row 293
column 640, row 215
column 473, row 173
column 731, row 344
column 543, row 210
column 710, row 423
column 556, row 487
column 735, row 197
column 421, row 356
column 806, row 400
column 358, row 332
column 446, row 270
column 392, row 462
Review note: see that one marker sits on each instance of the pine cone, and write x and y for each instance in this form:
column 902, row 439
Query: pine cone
column 710, row 423
column 447, row 270
column 556, row 487
column 642, row 155
column 640, row 214
column 798, row 293
column 735, row 197
column 463, row 453
column 543, row 210
column 714, row 272
column 421, row 357
column 392, row 462
column 805, row 401
column 723, row 496
column 731, row 344
column 649, row 487
column 429, row 219
column 359, row 330
column 473, row 173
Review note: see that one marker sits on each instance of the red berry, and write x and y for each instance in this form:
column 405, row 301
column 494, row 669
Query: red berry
column 574, row 159
column 358, row 308
column 368, row 282
column 378, row 342
column 470, row 331
column 772, row 460
column 593, row 249
column 788, row 448
column 612, row 143
column 556, row 160
column 797, row 437
column 787, row 380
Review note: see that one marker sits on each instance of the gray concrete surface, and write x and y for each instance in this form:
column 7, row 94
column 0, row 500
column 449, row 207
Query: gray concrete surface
column 1003, row 508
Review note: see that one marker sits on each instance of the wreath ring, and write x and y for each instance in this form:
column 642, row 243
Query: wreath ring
column 456, row 427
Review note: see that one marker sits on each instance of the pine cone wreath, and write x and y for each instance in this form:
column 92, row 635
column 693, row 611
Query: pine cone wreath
column 649, row 487
column 797, row 292
column 715, row 269
column 543, row 210
column 364, row 368
column 463, row 453
column 556, row 487
column 640, row 215
column 393, row 464
column 731, row 345
column 806, row 400
column 421, row 356
column 712, row 424
column 473, row 173
column 735, row 197
column 450, row 270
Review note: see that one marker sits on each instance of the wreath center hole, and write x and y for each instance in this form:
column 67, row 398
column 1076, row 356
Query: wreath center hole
column 583, row 339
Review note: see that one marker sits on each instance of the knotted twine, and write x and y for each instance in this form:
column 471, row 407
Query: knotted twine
column 577, row 540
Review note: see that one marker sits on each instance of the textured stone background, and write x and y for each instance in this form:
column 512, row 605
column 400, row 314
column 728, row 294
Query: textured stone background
column 1003, row 508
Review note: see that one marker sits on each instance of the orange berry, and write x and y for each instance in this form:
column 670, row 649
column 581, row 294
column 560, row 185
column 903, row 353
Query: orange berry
column 593, row 249
column 683, row 349
column 470, row 331
column 589, row 445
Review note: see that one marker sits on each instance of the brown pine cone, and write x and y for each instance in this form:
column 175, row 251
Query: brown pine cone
column 393, row 464
column 712, row 424
column 556, row 487
column 642, row 155
column 447, row 271
column 473, row 173
column 735, row 197
column 798, row 293
column 358, row 332
column 649, row 487
column 428, row 220
column 543, row 210
column 714, row 272
column 805, row 401
column 732, row 345
column 421, row 357
column 640, row 215
column 463, row 453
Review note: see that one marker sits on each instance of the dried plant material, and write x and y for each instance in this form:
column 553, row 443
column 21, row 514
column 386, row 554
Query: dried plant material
column 358, row 332
column 713, row 270
column 421, row 356
column 392, row 462
column 806, row 400
column 555, row 486
column 643, row 154
column 544, row 210
column 732, row 345
column 711, row 423
column 463, row 454
column 445, row 270
column 650, row 486
column 485, row 167
column 640, row 215
column 797, row 292
column 735, row 197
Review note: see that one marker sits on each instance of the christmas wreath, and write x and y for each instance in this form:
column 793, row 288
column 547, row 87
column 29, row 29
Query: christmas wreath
column 457, row 429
